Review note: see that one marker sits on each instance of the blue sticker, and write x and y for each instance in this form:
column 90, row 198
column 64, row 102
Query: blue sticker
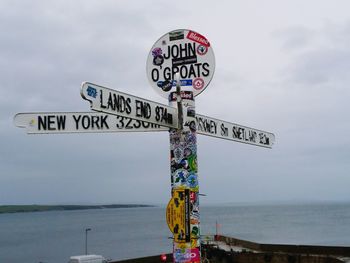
column 92, row 92
column 192, row 180
column 180, row 255
column 180, row 176
column 184, row 82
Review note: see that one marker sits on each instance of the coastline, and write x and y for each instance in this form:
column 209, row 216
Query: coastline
column 43, row 208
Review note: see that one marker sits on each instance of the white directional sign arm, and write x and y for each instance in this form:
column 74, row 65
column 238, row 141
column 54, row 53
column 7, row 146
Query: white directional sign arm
column 80, row 122
column 95, row 122
column 118, row 103
column 234, row 132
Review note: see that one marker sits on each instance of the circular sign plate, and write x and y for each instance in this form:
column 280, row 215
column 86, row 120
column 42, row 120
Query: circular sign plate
column 186, row 52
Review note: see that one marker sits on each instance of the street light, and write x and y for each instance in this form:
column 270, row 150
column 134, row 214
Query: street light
column 86, row 232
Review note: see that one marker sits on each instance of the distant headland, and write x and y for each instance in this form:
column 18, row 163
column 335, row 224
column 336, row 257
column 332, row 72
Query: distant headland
column 43, row 208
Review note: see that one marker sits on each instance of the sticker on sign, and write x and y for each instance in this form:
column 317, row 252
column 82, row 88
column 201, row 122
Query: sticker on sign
column 180, row 51
column 121, row 104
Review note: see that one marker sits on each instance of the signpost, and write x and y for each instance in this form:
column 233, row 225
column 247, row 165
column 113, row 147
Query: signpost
column 180, row 66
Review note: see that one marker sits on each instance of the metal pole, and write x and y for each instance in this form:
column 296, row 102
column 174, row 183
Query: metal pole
column 86, row 234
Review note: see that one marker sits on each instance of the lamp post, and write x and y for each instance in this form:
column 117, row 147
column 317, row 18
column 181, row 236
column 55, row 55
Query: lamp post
column 86, row 234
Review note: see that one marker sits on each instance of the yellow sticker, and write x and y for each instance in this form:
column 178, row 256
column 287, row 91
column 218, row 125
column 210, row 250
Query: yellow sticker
column 178, row 215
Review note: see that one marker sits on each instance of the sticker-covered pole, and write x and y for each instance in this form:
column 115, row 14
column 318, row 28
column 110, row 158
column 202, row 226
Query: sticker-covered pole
column 183, row 209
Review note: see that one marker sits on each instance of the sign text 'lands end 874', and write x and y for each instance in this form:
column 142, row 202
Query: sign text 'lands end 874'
column 118, row 103
column 180, row 51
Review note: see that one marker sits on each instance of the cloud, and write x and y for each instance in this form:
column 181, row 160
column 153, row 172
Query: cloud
column 48, row 47
column 320, row 56
column 295, row 37
column 273, row 72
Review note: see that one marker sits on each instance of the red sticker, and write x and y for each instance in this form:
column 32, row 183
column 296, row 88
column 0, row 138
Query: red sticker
column 198, row 38
column 198, row 83
column 195, row 255
column 193, row 196
column 202, row 50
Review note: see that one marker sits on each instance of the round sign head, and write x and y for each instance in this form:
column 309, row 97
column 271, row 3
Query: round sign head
column 186, row 52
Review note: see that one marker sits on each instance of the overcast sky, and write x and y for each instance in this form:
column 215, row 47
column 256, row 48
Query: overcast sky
column 281, row 66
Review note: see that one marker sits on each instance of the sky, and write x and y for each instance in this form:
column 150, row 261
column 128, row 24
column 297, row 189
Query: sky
column 281, row 66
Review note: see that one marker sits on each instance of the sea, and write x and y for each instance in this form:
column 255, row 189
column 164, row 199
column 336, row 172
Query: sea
column 52, row 237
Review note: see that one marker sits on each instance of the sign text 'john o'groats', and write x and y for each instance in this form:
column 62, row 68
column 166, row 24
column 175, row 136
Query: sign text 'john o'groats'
column 180, row 51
